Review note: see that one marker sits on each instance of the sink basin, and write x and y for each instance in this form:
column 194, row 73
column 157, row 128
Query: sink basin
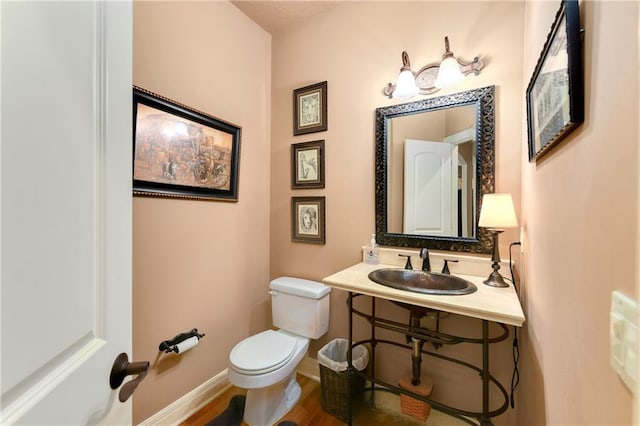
column 422, row 281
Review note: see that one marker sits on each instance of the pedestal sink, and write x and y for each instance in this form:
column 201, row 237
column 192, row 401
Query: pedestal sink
column 422, row 281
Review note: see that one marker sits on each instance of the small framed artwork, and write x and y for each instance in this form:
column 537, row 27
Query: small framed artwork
column 181, row 152
column 555, row 94
column 310, row 109
column 307, row 220
column 307, row 165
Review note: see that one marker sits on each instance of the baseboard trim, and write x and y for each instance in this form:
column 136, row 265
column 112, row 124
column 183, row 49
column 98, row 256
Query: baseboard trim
column 190, row 403
column 183, row 408
column 308, row 367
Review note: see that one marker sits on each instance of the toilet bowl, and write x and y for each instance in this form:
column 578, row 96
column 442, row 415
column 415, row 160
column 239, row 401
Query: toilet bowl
column 265, row 364
column 266, row 358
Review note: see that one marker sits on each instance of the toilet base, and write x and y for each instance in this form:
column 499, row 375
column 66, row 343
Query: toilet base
column 265, row 406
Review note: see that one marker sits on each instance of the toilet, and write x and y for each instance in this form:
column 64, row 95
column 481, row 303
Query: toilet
column 265, row 364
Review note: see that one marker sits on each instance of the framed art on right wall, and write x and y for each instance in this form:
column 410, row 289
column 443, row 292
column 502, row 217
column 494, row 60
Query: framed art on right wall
column 555, row 94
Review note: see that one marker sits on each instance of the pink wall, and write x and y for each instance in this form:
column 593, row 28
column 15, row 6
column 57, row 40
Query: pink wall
column 577, row 206
column 581, row 231
column 357, row 48
column 201, row 264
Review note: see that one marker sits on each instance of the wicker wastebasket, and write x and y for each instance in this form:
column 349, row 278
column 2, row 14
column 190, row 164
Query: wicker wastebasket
column 334, row 378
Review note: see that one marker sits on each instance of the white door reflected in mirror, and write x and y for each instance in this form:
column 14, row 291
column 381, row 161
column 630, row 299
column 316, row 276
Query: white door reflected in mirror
column 430, row 188
column 432, row 171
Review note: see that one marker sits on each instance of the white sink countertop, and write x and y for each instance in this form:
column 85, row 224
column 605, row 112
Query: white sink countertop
column 494, row 304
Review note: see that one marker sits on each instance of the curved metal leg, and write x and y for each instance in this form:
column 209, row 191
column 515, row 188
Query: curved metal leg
column 350, row 369
column 485, row 420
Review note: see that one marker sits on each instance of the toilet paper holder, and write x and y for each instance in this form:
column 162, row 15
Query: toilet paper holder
column 171, row 345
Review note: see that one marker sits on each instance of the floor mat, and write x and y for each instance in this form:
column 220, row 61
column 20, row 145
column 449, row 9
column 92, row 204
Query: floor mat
column 234, row 413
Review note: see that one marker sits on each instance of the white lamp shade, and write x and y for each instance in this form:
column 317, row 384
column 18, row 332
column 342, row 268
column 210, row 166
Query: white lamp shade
column 405, row 85
column 497, row 212
column 449, row 73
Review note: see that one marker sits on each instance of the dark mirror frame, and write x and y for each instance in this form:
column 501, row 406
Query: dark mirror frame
column 484, row 101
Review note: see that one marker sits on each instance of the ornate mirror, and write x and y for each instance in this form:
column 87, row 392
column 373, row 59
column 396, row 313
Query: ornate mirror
column 434, row 161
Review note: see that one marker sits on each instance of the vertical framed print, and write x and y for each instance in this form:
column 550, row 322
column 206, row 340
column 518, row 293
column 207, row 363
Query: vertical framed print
column 310, row 109
column 308, row 220
column 307, row 165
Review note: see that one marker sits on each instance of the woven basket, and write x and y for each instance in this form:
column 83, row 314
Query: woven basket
column 414, row 408
column 334, row 387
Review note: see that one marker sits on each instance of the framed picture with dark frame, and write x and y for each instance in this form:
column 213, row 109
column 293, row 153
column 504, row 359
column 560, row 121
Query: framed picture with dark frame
column 307, row 220
column 307, row 165
column 181, row 152
column 555, row 94
column 310, row 109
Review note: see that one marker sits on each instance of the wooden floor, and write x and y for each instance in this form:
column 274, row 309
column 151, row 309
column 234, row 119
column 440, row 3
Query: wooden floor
column 308, row 411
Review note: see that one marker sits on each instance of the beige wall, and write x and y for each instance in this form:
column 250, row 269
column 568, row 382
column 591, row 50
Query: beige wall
column 201, row 264
column 580, row 217
column 581, row 230
column 356, row 48
column 636, row 398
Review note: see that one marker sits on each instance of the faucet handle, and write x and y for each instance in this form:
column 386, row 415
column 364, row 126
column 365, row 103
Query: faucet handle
column 408, row 264
column 424, row 255
column 445, row 268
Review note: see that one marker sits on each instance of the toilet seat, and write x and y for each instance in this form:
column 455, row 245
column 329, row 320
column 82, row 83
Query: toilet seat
column 262, row 353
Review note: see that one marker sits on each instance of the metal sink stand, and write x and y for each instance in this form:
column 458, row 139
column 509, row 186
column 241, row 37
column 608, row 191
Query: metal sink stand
column 481, row 418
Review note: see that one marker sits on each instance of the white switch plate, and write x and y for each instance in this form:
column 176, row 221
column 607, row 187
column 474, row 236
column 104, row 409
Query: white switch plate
column 624, row 338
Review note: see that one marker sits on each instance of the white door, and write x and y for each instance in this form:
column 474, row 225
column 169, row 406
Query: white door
column 430, row 188
column 65, row 209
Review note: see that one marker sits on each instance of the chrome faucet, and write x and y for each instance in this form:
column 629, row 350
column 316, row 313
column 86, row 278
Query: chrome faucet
column 424, row 255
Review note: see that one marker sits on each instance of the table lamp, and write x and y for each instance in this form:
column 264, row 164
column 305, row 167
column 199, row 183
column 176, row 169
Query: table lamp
column 496, row 214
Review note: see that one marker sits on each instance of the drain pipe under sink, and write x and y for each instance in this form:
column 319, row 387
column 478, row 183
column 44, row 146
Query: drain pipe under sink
column 416, row 355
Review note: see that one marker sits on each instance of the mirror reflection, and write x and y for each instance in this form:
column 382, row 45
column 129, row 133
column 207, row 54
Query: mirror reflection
column 432, row 166
column 434, row 160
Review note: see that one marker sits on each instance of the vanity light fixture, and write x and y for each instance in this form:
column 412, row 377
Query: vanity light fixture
column 433, row 77
column 496, row 214
column 449, row 72
column 406, row 83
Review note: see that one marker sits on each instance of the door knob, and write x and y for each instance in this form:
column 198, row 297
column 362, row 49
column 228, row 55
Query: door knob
column 122, row 368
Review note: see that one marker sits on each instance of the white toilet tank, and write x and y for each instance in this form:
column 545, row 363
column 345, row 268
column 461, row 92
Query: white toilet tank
column 300, row 306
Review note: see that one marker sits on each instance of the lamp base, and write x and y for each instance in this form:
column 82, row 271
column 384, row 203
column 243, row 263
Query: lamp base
column 495, row 280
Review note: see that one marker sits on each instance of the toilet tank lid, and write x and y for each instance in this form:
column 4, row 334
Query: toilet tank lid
column 300, row 287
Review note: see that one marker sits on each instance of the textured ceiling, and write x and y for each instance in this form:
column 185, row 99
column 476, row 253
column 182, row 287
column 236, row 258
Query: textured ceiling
column 276, row 16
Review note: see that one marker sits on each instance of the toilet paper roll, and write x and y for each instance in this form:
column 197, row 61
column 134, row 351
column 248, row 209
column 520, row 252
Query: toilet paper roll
column 187, row 344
